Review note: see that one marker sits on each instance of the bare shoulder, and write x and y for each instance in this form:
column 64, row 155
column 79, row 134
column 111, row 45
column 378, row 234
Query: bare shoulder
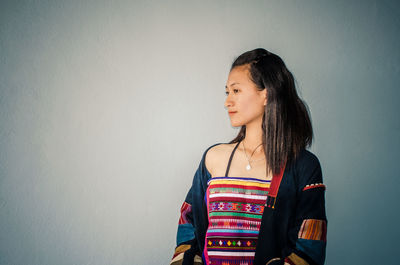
column 218, row 155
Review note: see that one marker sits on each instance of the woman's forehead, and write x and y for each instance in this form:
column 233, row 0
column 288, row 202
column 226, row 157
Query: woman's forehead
column 238, row 76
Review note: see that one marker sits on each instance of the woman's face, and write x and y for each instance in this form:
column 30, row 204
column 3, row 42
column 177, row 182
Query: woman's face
column 243, row 99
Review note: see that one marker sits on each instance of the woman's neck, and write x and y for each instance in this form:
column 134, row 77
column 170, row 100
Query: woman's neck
column 253, row 139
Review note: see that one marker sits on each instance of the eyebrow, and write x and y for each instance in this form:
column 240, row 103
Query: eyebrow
column 232, row 84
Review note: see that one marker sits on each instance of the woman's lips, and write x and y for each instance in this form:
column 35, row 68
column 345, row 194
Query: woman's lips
column 231, row 113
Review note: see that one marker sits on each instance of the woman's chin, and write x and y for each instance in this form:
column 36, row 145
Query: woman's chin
column 236, row 124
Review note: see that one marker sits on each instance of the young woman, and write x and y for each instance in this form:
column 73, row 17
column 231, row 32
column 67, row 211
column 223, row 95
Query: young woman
column 258, row 199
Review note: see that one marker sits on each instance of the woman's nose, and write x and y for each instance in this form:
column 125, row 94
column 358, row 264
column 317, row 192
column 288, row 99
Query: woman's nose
column 228, row 102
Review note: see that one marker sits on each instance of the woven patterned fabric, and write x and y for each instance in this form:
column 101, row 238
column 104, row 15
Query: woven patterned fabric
column 235, row 206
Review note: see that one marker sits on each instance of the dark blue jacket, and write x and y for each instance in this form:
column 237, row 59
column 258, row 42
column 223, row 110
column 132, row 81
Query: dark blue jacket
column 293, row 226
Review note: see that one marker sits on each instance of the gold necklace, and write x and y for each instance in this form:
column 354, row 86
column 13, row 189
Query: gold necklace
column 248, row 167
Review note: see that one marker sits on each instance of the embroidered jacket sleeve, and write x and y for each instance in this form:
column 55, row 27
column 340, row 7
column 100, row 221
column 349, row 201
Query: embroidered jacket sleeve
column 193, row 220
column 186, row 250
column 308, row 233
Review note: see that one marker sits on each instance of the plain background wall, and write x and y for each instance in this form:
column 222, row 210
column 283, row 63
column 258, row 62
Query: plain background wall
column 106, row 108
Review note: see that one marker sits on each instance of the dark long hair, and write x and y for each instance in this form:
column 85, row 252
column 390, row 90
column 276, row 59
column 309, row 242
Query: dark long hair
column 286, row 122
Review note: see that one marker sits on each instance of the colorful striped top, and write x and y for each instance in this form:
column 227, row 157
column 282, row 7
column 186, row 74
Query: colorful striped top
column 235, row 206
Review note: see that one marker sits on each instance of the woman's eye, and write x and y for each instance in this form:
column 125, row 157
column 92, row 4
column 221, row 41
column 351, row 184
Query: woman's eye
column 234, row 90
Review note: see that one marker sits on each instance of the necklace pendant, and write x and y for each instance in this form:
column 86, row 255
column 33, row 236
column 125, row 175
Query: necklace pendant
column 248, row 167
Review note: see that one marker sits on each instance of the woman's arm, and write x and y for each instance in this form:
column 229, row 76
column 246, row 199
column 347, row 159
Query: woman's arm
column 193, row 221
column 186, row 250
column 310, row 227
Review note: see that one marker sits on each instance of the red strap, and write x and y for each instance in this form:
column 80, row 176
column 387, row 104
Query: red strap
column 276, row 182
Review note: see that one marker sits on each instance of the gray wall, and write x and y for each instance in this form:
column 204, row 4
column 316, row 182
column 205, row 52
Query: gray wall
column 106, row 108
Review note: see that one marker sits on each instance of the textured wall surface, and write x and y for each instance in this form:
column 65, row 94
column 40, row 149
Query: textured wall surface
column 107, row 106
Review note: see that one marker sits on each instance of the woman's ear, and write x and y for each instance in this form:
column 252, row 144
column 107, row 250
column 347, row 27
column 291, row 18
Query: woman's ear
column 265, row 97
